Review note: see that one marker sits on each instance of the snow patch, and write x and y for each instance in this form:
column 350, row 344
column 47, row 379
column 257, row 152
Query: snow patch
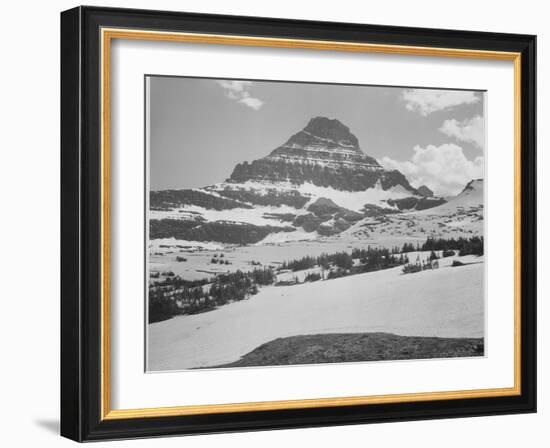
column 259, row 216
column 399, row 189
column 259, row 187
column 155, row 245
column 353, row 200
column 285, row 237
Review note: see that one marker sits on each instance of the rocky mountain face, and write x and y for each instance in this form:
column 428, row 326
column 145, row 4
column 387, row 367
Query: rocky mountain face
column 319, row 183
column 425, row 191
column 326, row 217
column 324, row 153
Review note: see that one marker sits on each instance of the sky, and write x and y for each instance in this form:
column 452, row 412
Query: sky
column 200, row 128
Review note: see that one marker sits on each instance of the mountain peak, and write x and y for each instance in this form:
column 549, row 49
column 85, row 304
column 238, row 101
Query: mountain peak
column 324, row 139
column 474, row 184
column 332, row 130
column 425, row 191
column 324, row 153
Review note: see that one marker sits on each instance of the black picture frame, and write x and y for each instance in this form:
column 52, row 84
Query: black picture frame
column 81, row 224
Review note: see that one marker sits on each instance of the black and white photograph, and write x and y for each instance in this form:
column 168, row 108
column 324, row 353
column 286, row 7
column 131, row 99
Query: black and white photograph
column 285, row 219
column 295, row 223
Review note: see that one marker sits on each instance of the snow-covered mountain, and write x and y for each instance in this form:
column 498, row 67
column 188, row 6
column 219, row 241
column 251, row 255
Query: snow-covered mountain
column 318, row 183
column 470, row 196
column 461, row 216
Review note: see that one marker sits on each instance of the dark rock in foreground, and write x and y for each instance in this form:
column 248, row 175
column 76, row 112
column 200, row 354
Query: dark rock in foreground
column 357, row 347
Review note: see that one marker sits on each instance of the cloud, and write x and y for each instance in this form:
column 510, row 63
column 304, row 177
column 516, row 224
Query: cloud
column 444, row 169
column 251, row 102
column 239, row 91
column 426, row 101
column 236, row 86
column 467, row 131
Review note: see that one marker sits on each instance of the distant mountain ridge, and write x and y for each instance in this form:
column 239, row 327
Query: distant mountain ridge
column 472, row 195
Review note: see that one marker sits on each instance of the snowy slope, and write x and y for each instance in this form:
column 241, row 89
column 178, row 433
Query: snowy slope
column 461, row 216
column 352, row 200
column 471, row 196
column 447, row 302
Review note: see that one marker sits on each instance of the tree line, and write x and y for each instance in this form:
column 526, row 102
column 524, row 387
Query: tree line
column 464, row 246
column 176, row 296
column 448, row 247
column 341, row 264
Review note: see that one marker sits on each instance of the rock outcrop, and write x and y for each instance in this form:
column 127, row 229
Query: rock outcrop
column 425, row 191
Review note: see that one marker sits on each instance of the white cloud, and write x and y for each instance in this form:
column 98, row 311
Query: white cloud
column 251, row 102
column 426, row 101
column 237, row 86
column 467, row 131
column 444, row 169
column 238, row 91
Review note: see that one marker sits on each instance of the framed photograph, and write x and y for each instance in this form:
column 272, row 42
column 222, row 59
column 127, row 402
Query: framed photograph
column 276, row 224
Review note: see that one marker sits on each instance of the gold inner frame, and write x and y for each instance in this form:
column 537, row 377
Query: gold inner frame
column 107, row 35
